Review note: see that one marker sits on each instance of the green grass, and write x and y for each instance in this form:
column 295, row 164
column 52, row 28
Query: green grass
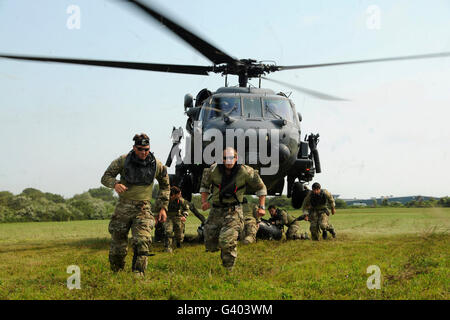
column 411, row 247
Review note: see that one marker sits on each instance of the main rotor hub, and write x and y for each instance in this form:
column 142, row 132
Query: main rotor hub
column 245, row 69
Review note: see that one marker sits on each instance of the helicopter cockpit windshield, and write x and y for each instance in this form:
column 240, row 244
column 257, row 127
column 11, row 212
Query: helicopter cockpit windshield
column 278, row 109
column 252, row 107
column 219, row 106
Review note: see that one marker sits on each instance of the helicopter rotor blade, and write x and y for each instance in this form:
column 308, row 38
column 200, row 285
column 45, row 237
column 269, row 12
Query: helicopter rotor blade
column 173, row 68
column 313, row 93
column 214, row 54
column 421, row 56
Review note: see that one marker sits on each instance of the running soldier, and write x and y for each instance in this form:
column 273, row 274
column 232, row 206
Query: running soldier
column 315, row 206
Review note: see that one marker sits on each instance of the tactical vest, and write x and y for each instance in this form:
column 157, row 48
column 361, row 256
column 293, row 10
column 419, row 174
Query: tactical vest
column 174, row 208
column 229, row 186
column 318, row 199
column 139, row 172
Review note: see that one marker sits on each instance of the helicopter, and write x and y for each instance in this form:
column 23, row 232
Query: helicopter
column 239, row 107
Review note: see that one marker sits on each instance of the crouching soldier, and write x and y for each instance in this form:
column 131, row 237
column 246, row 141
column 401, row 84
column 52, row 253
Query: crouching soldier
column 227, row 184
column 137, row 170
column 281, row 219
column 315, row 206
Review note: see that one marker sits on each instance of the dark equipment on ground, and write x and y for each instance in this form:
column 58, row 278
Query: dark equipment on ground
column 268, row 231
column 240, row 107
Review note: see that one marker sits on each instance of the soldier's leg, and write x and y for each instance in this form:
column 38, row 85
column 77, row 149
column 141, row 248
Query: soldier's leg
column 118, row 228
column 250, row 230
column 178, row 228
column 211, row 230
column 326, row 226
column 293, row 233
column 141, row 230
column 314, row 225
column 233, row 224
column 168, row 233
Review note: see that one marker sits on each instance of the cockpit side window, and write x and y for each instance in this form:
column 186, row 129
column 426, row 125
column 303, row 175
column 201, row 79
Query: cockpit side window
column 278, row 109
column 252, row 107
column 224, row 105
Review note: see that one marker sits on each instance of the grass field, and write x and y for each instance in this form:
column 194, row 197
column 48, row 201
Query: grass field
column 410, row 246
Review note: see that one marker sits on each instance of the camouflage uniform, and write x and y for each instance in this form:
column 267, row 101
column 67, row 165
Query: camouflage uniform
column 133, row 212
column 282, row 219
column 251, row 221
column 318, row 213
column 174, row 227
column 226, row 220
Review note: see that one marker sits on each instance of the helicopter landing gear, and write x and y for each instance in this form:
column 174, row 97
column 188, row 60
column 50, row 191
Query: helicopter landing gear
column 186, row 187
column 298, row 195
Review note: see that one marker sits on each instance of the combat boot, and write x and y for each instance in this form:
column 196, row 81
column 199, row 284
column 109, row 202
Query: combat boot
column 117, row 263
column 333, row 233
column 133, row 262
column 168, row 250
column 229, row 269
column 324, row 234
column 306, row 236
column 139, row 274
column 178, row 244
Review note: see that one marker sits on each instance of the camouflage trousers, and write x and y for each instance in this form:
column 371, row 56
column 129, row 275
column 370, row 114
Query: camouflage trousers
column 222, row 229
column 318, row 221
column 294, row 232
column 250, row 230
column 173, row 228
column 134, row 215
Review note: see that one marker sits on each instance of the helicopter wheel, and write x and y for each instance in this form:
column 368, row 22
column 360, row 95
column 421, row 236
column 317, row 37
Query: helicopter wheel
column 298, row 195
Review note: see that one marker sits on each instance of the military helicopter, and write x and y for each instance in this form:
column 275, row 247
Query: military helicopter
column 237, row 107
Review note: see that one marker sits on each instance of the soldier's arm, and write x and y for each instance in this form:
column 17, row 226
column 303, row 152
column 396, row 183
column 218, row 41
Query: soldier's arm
column 331, row 202
column 109, row 177
column 206, row 181
column 255, row 182
column 284, row 217
column 306, row 204
column 205, row 187
column 184, row 208
column 164, row 188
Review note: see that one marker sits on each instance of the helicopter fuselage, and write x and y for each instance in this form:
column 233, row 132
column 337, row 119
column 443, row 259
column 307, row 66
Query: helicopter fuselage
column 262, row 126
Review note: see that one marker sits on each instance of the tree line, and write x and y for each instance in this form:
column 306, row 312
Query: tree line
column 98, row 203
column 35, row 205
column 417, row 203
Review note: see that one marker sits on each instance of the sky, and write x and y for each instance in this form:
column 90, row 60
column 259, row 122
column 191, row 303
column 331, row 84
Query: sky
column 62, row 125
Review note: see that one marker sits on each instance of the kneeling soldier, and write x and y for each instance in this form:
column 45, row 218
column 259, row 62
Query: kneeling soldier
column 281, row 218
column 227, row 183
